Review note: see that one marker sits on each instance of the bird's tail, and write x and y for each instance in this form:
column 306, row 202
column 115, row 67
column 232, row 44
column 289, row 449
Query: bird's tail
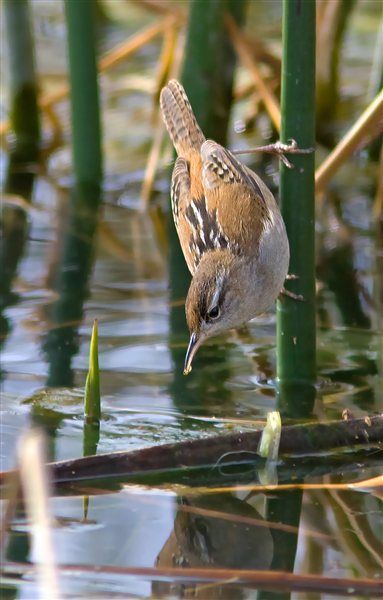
column 179, row 119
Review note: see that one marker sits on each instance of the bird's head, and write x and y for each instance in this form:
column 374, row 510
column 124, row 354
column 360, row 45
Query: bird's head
column 213, row 303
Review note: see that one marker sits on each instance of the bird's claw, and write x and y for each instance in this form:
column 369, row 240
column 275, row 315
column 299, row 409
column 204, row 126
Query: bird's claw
column 280, row 149
column 289, row 294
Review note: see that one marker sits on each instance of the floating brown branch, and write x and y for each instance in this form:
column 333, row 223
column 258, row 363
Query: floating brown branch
column 235, row 448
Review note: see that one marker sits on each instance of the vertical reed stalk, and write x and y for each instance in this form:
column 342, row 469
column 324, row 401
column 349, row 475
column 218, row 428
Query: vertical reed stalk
column 24, row 115
column 296, row 368
column 209, row 63
column 86, row 129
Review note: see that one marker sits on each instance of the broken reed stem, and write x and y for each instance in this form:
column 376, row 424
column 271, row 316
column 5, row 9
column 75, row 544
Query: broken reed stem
column 359, row 133
column 246, row 57
column 36, row 489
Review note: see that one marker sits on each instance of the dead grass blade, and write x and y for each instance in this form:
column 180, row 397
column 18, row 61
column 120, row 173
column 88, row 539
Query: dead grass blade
column 245, row 55
column 369, row 123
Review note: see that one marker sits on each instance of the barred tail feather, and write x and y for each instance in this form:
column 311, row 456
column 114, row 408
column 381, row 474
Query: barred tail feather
column 179, row 119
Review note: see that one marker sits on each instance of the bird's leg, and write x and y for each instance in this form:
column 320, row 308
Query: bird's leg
column 292, row 295
column 280, row 150
column 291, row 276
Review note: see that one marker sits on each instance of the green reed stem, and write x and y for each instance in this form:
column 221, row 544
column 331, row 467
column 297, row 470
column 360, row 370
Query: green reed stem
column 296, row 368
column 24, row 113
column 209, row 64
column 86, row 129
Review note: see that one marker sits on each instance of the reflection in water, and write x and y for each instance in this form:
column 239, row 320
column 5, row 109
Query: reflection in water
column 283, row 507
column 14, row 234
column 72, row 285
column 215, row 531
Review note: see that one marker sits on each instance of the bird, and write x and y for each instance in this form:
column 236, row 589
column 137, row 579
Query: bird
column 229, row 225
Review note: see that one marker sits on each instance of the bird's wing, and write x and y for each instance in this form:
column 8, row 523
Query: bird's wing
column 241, row 202
column 181, row 201
column 198, row 228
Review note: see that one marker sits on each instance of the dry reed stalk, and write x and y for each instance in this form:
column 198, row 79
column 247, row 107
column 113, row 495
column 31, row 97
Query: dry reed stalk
column 151, row 165
column 243, row 91
column 110, row 243
column 263, row 54
column 347, row 537
column 378, row 204
column 358, row 523
column 373, row 486
column 126, row 49
column 165, row 65
column 161, row 8
column 327, row 12
column 245, row 55
column 165, row 62
column 174, row 59
column 111, row 59
column 36, row 490
column 358, row 135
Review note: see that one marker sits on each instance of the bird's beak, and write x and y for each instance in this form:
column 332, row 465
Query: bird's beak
column 194, row 344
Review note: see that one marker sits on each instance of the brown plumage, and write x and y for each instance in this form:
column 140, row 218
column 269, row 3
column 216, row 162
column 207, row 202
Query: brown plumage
column 229, row 225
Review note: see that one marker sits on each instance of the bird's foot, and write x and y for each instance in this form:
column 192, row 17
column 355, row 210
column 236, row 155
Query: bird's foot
column 280, row 149
column 292, row 295
column 291, row 276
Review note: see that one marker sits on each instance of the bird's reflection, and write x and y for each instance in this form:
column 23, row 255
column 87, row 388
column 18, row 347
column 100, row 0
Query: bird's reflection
column 214, row 531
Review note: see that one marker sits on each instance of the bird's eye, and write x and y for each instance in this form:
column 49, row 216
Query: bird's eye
column 213, row 313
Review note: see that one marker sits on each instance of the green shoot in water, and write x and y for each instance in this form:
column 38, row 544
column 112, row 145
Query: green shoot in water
column 92, row 403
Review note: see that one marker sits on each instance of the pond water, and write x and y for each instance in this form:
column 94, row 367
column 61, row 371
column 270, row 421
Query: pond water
column 137, row 294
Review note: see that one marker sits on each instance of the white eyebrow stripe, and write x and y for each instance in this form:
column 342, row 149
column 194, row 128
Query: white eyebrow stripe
column 217, row 292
